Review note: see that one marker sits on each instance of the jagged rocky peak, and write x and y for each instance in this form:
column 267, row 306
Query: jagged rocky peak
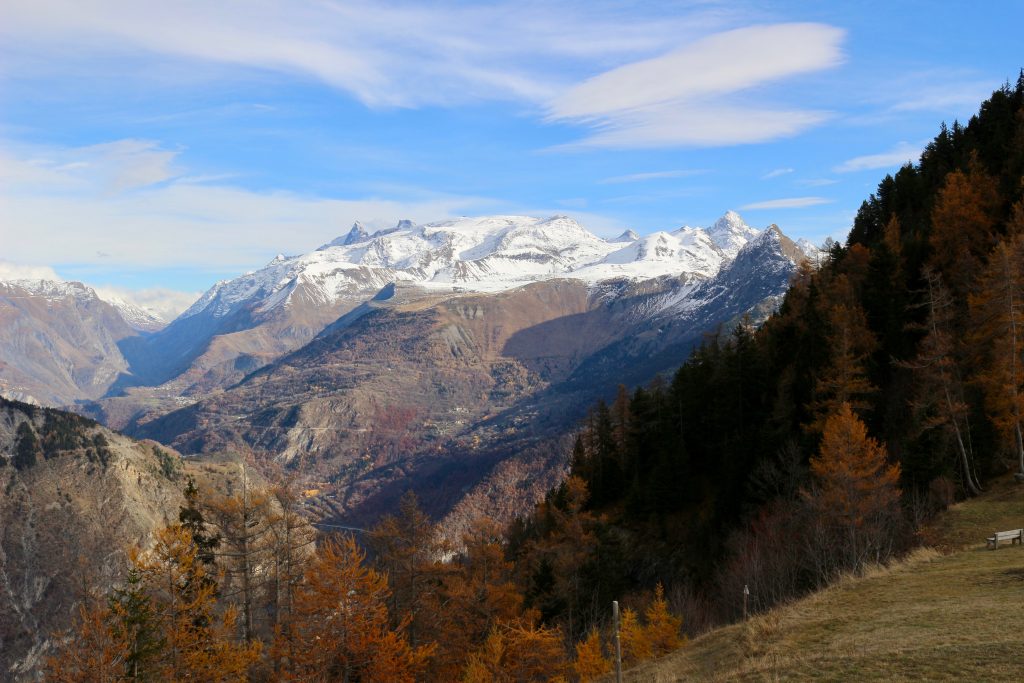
column 626, row 236
column 356, row 234
column 789, row 248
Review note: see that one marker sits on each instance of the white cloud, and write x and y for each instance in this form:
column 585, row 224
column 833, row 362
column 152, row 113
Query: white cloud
column 652, row 175
column 687, row 96
column 191, row 225
column 108, row 168
column 817, row 182
column 788, row 203
column 403, row 54
column 57, row 214
column 776, row 173
column 17, row 271
column 899, row 155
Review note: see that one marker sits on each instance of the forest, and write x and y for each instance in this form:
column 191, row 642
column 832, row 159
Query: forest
column 889, row 384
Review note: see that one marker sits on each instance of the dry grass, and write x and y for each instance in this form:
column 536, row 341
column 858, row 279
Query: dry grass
column 951, row 615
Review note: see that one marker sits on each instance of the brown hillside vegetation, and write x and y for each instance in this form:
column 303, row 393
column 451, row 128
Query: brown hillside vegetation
column 949, row 611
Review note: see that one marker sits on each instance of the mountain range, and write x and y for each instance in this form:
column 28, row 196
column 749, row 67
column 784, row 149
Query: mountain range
column 451, row 356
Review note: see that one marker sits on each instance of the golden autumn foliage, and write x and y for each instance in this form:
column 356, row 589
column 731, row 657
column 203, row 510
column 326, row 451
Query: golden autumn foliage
column 477, row 592
column 855, row 496
column 518, row 652
column 199, row 644
column 997, row 316
column 662, row 627
column 655, row 635
column 340, row 628
column 590, row 663
column 91, row 653
column 196, row 642
column 633, row 636
column 963, row 219
column 408, row 550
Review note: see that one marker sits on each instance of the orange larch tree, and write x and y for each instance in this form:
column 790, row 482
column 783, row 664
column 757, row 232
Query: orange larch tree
column 340, row 630
column 477, row 592
column 662, row 627
column 199, row 640
column 90, row 652
column 997, row 316
column 855, row 495
column 963, row 222
column 516, row 652
column 408, row 551
column 591, row 662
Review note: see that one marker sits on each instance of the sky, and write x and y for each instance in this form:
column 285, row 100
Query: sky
column 153, row 148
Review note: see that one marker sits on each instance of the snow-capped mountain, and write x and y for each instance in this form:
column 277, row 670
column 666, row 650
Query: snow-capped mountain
column 59, row 342
column 135, row 316
column 244, row 323
column 487, row 254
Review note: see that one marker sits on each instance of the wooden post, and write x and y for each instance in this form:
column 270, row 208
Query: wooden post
column 746, row 592
column 618, row 645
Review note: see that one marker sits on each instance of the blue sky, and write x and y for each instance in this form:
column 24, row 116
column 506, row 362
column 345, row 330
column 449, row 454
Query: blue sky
column 161, row 146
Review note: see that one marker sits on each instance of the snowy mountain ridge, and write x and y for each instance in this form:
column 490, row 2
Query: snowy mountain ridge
column 483, row 254
column 59, row 290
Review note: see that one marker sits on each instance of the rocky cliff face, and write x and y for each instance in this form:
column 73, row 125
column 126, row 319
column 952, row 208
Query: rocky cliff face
column 76, row 497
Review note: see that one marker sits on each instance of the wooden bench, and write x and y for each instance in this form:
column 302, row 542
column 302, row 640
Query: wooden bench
column 1014, row 536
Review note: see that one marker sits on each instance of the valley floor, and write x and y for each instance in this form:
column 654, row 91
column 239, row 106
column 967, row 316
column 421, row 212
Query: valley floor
column 952, row 610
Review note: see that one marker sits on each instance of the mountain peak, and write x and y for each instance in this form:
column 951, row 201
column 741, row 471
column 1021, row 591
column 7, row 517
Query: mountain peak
column 780, row 242
column 626, row 236
column 730, row 222
column 358, row 233
column 730, row 233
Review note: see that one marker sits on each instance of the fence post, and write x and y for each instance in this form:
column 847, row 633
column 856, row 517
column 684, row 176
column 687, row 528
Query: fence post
column 618, row 645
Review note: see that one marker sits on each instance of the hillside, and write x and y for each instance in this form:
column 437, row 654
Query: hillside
column 76, row 497
column 950, row 611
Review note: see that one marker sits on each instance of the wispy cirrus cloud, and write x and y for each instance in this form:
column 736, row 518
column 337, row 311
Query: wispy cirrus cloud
column 817, row 182
column 775, row 173
column 110, row 168
column 689, row 96
column 788, row 203
column 899, row 155
column 651, row 175
column 664, row 77
column 395, row 54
